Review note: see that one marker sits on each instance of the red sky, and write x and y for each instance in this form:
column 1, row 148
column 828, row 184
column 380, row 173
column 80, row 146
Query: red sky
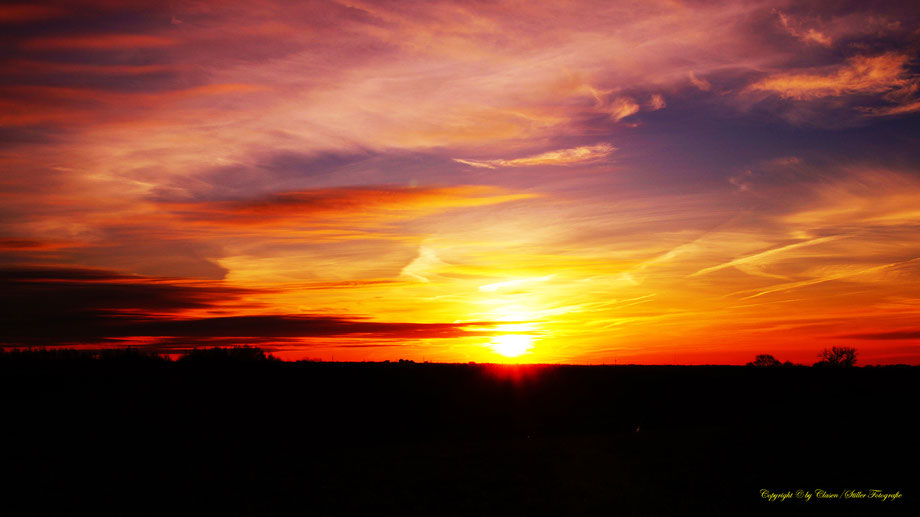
column 587, row 182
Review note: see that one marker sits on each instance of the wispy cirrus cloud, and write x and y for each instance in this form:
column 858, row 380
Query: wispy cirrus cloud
column 750, row 262
column 577, row 155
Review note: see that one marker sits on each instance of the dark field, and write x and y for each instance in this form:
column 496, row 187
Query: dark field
column 231, row 433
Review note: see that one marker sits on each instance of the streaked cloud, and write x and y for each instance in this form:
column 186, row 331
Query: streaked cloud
column 93, row 306
column 98, row 42
column 62, row 67
column 348, row 203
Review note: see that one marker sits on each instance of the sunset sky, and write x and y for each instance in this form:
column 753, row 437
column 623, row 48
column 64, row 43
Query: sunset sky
column 567, row 181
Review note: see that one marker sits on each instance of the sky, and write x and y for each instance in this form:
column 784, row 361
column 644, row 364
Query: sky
column 649, row 182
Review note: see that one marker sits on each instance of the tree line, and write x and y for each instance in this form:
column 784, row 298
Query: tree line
column 838, row 356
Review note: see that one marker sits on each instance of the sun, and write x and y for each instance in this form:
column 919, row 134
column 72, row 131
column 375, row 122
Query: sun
column 512, row 345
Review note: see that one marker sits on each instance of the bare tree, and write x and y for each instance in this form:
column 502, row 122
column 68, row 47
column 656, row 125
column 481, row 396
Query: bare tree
column 837, row 356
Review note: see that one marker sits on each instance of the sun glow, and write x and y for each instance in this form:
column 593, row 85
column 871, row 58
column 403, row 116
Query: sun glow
column 512, row 345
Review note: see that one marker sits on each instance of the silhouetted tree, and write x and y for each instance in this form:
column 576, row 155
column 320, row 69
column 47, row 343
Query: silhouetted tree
column 226, row 354
column 837, row 356
column 765, row 360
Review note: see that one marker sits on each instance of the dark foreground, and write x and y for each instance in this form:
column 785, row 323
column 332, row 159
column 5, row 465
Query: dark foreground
column 231, row 434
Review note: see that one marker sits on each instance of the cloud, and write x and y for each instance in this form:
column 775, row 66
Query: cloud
column 885, row 111
column 53, row 290
column 656, row 102
column 32, row 66
column 865, row 199
column 863, row 87
column 584, row 154
column 422, row 265
column 98, row 42
column 68, row 107
column 890, row 335
column 860, row 75
column 292, row 326
column 48, row 306
column 758, row 259
column 795, row 28
column 622, row 107
column 834, row 274
column 343, row 204
column 20, row 13
column 10, row 244
column 700, row 83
